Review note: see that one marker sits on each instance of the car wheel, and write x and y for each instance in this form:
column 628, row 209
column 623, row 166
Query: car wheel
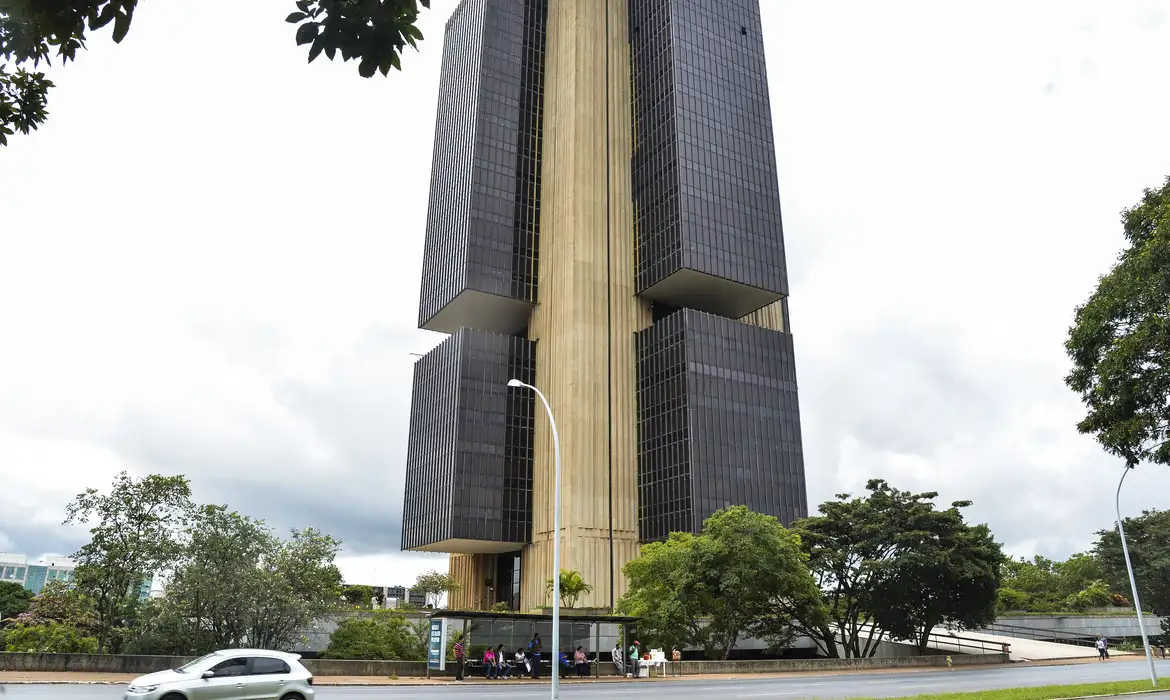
column 292, row 696
column 173, row 696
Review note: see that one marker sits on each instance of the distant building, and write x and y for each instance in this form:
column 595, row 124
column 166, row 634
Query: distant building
column 397, row 596
column 402, row 595
column 15, row 568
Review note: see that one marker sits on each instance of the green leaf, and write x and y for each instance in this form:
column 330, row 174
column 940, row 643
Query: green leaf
column 104, row 17
column 296, row 17
column 303, row 5
column 306, row 33
column 315, row 51
column 367, row 67
column 121, row 27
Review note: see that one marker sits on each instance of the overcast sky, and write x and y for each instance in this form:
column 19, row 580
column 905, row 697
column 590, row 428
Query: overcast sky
column 210, row 255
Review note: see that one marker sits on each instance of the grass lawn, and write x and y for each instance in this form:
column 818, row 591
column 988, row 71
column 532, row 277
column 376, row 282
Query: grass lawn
column 1046, row 692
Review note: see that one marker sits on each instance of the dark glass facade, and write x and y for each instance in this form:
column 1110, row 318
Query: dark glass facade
column 718, row 423
column 717, row 415
column 483, row 222
column 469, row 458
column 506, row 583
column 709, row 233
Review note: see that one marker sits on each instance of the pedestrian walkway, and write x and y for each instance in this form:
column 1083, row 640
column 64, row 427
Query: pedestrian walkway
column 1024, row 649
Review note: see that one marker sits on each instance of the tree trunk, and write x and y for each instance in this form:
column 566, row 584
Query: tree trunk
column 924, row 640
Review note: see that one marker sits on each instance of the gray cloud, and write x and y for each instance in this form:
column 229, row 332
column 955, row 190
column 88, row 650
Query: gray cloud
column 242, row 309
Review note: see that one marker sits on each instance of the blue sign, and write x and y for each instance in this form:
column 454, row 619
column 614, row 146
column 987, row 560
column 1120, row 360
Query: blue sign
column 436, row 659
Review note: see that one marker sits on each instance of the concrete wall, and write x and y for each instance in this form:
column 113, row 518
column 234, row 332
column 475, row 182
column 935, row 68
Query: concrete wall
column 328, row 667
column 91, row 663
column 1085, row 625
column 106, row 663
column 781, row 666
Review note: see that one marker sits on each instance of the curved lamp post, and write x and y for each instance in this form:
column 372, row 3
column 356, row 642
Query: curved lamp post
column 1133, row 582
column 556, row 595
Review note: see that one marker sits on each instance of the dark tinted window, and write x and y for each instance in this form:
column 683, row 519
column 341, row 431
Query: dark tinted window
column 231, row 667
column 263, row 665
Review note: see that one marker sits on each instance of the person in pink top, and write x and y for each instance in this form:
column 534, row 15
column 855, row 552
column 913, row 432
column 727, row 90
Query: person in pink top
column 489, row 663
column 582, row 662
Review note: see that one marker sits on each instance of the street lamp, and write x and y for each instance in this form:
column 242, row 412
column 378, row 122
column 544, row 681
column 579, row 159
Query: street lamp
column 1133, row 582
column 556, row 578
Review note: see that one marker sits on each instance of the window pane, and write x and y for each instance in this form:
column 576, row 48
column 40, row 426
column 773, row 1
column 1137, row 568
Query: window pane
column 263, row 665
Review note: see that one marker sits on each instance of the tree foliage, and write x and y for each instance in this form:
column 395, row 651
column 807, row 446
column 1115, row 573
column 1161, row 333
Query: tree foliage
column 743, row 574
column 238, row 584
column 1045, row 585
column 58, row 620
column 135, row 532
column 375, row 32
column 946, row 573
column 58, row 603
column 1120, row 341
column 386, row 635
column 1148, row 538
column 868, row 554
column 14, row 599
column 434, row 585
column 573, row 586
column 358, row 596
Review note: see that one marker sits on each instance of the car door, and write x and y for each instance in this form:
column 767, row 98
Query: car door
column 225, row 683
column 267, row 677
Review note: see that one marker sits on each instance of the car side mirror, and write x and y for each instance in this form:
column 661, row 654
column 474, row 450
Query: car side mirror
column 208, row 674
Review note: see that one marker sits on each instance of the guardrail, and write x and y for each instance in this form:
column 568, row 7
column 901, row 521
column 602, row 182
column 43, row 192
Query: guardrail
column 1042, row 634
column 969, row 644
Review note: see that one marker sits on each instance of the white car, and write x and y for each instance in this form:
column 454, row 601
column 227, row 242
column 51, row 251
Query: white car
column 232, row 674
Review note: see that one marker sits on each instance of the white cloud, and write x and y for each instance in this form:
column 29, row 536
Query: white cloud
column 209, row 261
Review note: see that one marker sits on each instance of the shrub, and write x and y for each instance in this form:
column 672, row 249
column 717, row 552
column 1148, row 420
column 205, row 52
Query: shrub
column 49, row 638
column 384, row 636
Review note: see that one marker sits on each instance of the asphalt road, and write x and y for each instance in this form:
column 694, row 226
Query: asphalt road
column 823, row 687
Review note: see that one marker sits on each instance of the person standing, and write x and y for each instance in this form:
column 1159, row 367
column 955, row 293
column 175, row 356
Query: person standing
column 1102, row 651
column 635, row 657
column 581, row 662
column 676, row 661
column 534, row 648
column 460, row 657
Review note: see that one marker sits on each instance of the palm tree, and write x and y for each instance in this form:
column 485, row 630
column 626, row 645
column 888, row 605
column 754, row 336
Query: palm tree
column 573, row 586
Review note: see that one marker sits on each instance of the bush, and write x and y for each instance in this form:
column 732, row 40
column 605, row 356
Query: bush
column 1096, row 595
column 48, row 638
column 384, row 636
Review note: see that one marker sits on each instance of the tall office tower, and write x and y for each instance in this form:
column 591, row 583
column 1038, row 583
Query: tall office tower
column 604, row 224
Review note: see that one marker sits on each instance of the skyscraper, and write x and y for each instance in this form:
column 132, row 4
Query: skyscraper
column 604, row 223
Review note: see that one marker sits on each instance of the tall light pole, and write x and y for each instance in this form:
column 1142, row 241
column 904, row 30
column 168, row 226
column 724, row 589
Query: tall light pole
column 556, row 577
column 1133, row 582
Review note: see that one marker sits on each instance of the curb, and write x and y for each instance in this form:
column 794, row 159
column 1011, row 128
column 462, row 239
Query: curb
column 1118, row 695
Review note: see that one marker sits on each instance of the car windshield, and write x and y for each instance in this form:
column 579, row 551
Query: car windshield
column 187, row 667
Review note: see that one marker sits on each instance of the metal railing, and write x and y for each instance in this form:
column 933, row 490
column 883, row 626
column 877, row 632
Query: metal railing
column 1042, row 634
column 961, row 645
column 967, row 645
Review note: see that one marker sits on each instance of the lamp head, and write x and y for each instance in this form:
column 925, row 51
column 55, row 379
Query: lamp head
column 515, row 383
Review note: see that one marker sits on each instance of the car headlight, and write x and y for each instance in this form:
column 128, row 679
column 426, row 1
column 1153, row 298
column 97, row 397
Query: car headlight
column 143, row 688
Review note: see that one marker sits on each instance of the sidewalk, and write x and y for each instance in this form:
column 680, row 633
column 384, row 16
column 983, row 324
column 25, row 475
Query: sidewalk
column 21, row 677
